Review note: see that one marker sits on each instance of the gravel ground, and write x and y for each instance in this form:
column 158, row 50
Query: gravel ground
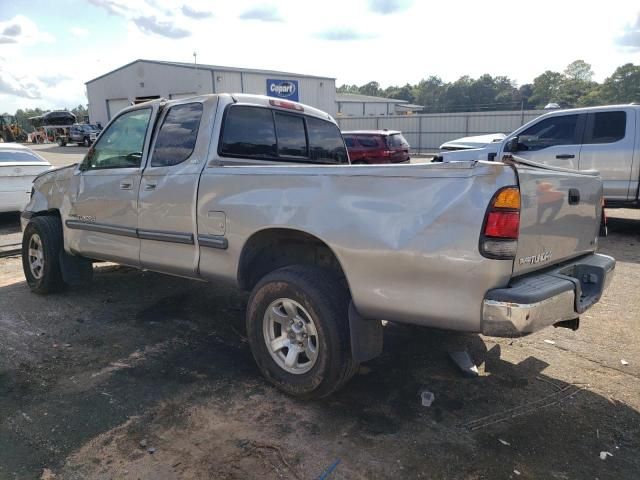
column 139, row 375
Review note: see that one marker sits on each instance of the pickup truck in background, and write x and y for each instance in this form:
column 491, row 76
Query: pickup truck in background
column 606, row 139
column 259, row 192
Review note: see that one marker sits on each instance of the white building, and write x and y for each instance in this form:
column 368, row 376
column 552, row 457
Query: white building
column 355, row 105
column 143, row 80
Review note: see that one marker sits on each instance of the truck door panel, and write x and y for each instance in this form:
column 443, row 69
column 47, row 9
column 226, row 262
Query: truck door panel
column 168, row 190
column 553, row 141
column 608, row 147
column 103, row 216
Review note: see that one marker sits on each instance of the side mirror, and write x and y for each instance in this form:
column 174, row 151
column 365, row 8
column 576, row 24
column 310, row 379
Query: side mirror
column 511, row 146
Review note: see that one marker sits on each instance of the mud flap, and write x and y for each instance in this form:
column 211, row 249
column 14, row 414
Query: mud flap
column 75, row 270
column 366, row 336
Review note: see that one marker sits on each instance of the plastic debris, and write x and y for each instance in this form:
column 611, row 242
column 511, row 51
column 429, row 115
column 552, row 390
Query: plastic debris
column 604, row 455
column 151, row 450
column 550, row 342
column 464, row 363
column 328, row 471
column 504, row 442
column 517, row 472
column 624, row 362
column 427, row 398
column 143, row 443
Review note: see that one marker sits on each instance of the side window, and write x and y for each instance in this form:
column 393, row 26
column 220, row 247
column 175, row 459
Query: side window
column 325, row 142
column 350, row 142
column 248, row 132
column 292, row 140
column 397, row 140
column 368, row 141
column 560, row 130
column 120, row 146
column 177, row 136
column 607, row 127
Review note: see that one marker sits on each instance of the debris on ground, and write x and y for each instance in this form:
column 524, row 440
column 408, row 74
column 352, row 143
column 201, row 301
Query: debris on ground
column 143, row 443
column 328, row 471
column 463, row 361
column 624, row 362
column 550, row 342
column 151, row 450
column 504, row 442
column 427, row 398
column 517, row 472
column 604, row 455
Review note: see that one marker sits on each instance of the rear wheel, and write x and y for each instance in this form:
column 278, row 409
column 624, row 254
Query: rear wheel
column 298, row 329
column 86, row 142
column 41, row 248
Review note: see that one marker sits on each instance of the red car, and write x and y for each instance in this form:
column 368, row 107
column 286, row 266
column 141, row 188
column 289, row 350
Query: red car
column 376, row 146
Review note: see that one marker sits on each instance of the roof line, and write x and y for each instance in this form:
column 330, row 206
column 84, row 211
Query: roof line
column 216, row 68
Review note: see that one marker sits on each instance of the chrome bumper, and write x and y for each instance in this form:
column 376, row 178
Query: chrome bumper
column 539, row 300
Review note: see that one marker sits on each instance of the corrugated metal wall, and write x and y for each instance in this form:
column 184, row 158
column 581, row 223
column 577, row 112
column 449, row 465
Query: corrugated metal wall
column 425, row 133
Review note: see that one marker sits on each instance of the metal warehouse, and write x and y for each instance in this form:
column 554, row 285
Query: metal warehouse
column 143, row 80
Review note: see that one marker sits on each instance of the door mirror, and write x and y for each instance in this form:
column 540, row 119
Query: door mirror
column 511, row 146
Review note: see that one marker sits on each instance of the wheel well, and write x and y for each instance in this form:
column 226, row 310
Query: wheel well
column 52, row 212
column 275, row 248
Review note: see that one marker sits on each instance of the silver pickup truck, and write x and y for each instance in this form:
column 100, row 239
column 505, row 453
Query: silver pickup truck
column 259, row 192
column 606, row 139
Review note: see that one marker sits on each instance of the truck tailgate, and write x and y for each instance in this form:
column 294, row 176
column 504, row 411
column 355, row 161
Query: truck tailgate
column 559, row 217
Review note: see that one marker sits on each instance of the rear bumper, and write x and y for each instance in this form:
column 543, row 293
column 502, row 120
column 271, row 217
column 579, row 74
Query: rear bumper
column 539, row 300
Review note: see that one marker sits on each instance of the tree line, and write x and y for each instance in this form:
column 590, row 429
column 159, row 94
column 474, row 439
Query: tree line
column 573, row 87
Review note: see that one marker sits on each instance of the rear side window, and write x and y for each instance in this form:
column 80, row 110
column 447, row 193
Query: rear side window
column 560, row 130
column 292, row 140
column 350, row 142
column 325, row 142
column 177, row 137
column 607, row 127
column 368, row 141
column 396, row 141
column 248, row 132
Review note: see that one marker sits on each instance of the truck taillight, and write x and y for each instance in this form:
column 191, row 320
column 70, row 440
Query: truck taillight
column 289, row 105
column 499, row 238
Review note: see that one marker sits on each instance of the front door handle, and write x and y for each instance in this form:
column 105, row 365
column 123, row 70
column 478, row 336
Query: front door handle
column 126, row 185
column 565, row 156
column 150, row 186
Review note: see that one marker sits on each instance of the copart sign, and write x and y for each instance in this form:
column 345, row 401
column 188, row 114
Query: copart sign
column 287, row 89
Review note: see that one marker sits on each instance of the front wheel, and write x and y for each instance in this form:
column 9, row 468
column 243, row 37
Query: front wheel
column 298, row 329
column 41, row 248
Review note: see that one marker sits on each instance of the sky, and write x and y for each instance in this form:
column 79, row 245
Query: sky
column 48, row 50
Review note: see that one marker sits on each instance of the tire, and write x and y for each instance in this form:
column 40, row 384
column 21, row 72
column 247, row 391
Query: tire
column 47, row 231
column 86, row 142
column 317, row 296
column 60, row 142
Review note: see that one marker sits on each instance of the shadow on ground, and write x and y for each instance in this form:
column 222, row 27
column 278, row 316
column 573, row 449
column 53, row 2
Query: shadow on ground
column 87, row 374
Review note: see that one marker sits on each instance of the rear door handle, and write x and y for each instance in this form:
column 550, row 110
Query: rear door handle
column 565, row 156
column 150, row 186
column 126, row 185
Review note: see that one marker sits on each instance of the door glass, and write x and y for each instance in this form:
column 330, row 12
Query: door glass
column 325, row 142
column 608, row 127
column 292, row 141
column 368, row 141
column 120, row 146
column 177, row 137
column 549, row 132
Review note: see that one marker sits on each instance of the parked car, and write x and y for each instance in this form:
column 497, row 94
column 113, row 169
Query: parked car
column 18, row 167
column 253, row 190
column 605, row 139
column 476, row 141
column 83, row 134
column 376, row 146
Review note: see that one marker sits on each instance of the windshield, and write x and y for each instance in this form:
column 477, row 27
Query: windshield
column 8, row 156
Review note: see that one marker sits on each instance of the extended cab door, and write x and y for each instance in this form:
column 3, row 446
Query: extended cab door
column 169, row 186
column 609, row 147
column 103, row 216
column 554, row 140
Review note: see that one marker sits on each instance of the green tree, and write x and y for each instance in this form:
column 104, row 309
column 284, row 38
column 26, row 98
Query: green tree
column 623, row 86
column 546, row 88
column 80, row 112
column 579, row 70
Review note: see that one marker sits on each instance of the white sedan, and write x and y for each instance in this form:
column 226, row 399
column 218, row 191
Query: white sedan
column 19, row 165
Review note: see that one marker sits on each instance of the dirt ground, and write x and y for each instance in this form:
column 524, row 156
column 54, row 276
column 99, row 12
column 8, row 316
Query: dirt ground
column 144, row 376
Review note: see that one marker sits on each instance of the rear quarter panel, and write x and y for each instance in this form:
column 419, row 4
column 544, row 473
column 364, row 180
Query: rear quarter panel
column 406, row 236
